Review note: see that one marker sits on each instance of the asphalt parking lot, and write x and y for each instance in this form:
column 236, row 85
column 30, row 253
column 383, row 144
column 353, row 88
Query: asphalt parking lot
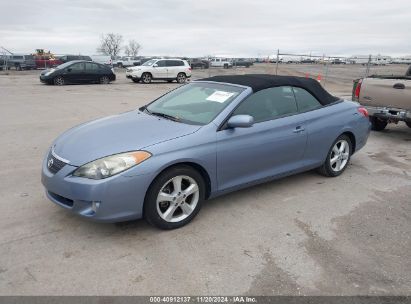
column 305, row 234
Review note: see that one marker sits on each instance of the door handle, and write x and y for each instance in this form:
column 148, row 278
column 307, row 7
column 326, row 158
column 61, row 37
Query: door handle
column 399, row 86
column 299, row 129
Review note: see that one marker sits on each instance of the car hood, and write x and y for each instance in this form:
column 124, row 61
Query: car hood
column 125, row 132
column 48, row 71
column 140, row 67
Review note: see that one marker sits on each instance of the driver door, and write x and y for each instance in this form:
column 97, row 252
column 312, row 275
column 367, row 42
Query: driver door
column 274, row 145
column 160, row 69
column 75, row 73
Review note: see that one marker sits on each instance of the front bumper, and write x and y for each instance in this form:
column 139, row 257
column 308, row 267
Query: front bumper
column 45, row 79
column 114, row 199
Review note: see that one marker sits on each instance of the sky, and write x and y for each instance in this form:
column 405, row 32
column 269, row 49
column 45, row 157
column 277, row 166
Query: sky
column 253, row 28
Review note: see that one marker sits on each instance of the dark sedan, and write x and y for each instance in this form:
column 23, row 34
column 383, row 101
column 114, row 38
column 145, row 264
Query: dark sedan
column 78, row 71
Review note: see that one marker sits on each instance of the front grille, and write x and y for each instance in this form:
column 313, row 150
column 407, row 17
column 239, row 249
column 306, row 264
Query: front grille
column 54, row 164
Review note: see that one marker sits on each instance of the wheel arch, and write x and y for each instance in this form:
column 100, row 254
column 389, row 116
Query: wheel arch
column 196, row 166
column 351, row 136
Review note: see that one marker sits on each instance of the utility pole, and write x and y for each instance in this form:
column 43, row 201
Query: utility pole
column 276, row 65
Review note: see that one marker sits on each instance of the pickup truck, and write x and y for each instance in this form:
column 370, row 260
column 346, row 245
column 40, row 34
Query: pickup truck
column 386, row 97
column 220, row 63
column 128, row 62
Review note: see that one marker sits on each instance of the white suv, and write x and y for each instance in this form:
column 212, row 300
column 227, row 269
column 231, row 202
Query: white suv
column 162, row 69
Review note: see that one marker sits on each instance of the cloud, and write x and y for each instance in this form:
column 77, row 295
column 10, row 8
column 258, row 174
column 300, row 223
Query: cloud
column 195, row 28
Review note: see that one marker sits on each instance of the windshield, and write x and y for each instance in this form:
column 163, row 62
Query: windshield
column 197, row 103
column 64, row 65
column 149, row 63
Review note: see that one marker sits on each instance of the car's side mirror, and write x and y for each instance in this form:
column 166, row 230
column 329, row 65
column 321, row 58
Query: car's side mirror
column 69, row 70
column 240, row 121
column 155, row 65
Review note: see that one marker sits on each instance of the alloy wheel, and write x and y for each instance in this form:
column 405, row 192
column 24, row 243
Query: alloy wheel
column 146, row 78
column 181, row 78
column 178, row 198
column 104, row 80
column 339, row 155
column 59, row 81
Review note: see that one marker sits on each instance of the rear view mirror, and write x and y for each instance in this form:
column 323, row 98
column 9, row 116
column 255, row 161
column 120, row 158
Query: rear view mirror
column 240, row 121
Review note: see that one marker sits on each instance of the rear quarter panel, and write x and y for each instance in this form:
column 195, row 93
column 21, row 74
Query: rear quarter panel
column 326, row 124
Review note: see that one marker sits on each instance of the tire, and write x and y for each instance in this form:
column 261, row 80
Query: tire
column 177, row 209
column 226, row 66
column 120, row 65
column 59, row 81
column 169, row 81
column 408, row 123
column 146, row 78
column 337, row 158
column 104, row 80
column 377, row 124
column 135, row 80
column 181, row 78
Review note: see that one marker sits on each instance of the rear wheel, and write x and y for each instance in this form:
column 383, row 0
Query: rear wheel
column 408, row 123
column 146, row 78
column 59, row 81
column 338, row 157
column 119, row 65
column 181, row 78
column 104, row 80
column 377, row 124
column 226, row 66
column 174, row 198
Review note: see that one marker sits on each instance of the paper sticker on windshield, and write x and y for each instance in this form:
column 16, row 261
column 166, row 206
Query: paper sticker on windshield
column 220, row 96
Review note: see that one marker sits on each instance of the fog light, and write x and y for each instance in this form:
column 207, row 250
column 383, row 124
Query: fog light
column 94, row 206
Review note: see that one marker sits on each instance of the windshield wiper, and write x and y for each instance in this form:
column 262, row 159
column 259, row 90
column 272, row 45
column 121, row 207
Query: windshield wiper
column 170, row 117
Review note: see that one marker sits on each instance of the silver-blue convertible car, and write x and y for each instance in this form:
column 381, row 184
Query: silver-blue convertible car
column 201, row 140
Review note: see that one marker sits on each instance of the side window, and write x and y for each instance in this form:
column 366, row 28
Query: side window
column 77, row 67
column 305, row 101
column 91, row 67
column 269, row 104
column 161, row 63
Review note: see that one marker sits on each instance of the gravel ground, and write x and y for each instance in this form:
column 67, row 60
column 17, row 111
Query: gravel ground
column 304, row 234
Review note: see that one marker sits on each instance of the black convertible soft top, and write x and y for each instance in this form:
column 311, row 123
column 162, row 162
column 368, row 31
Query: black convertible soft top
column 260, row 82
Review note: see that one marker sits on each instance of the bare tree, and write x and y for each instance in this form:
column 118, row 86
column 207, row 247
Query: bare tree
column 132, row 48
column 110, row 44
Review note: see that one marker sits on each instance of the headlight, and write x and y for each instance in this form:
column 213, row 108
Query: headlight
column 111, row 165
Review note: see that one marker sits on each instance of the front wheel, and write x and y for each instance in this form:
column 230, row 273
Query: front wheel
column 59, row 81
column 181, row 78
column 174, row 198
column 408, row 123
column 338, row 157
column 377, row 124
column 146, row 78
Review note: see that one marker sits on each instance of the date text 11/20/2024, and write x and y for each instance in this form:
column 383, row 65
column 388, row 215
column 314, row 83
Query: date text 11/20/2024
column 203, row 299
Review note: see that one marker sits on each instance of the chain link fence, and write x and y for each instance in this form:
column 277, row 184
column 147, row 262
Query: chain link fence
column 336, row 73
